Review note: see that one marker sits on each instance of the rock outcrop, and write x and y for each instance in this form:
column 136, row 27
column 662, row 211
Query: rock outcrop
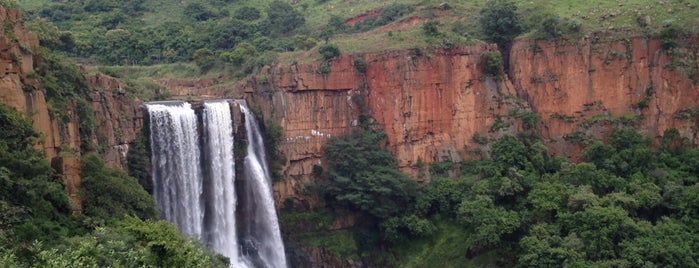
column 117, row 116
column 634, row 81
column 437, row 105
column 431, row 106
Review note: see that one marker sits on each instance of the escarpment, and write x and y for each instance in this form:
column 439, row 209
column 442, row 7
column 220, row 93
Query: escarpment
column 437, row 105
column 114, row 117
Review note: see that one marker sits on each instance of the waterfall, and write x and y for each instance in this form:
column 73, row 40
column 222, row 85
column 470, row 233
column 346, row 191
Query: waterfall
column 261, row 239
column 196, row 188
column 177, row 177
column 220, row 233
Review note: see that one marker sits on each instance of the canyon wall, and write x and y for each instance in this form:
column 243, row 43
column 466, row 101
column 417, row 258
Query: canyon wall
column 436, row 105
column 117, row 117
column 633, row 81
column 431, row 106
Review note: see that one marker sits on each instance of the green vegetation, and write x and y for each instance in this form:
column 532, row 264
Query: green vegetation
column 500, row 22
column 628, row 203
column 117, row 229
column 147, row 32
column 363, row 176
column 491, row 63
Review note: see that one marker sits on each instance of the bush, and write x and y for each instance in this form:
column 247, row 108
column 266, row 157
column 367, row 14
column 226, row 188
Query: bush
column 430, row 28
column 529, row 119
column 324, row 68
column 329, row 51
column 360, row 64
column 669, row 35
column 491, row 62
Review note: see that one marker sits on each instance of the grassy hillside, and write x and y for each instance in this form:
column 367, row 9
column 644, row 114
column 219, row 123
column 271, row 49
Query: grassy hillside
column 159, row 31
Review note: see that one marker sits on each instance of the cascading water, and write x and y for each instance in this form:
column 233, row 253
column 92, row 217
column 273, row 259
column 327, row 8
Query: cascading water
column 177, row 184
column 196, row 189
column 220, row 231
column 260, row 236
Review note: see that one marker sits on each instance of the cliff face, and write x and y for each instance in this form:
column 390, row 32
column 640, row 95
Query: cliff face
column 635, row 81
column 435, row 107
column 117, row 116
column 431, row 106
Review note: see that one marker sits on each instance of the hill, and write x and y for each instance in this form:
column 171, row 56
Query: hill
column 146, row 32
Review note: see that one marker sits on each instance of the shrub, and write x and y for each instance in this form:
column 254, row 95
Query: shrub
column 324, row 68
column 491, row 62
column 430, row 28
column 329, row 51
column 360, row 64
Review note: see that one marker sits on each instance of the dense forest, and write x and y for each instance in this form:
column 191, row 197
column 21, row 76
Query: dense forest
column 631, row 200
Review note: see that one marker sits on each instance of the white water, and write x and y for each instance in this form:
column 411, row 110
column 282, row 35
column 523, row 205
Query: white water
column 220, row 233
column 199, row 195
column 177, row 184
column 262, row 242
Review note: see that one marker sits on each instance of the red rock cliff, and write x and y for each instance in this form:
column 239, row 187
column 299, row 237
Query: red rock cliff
column 117, row 116
column 572, row 85
column 433, row 106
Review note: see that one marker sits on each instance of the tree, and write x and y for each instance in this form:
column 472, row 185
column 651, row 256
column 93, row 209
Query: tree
column 490, row 222
column 198, row 12
column 110, row 192
column 363, row 175
column 283, row 17
column 500, row 22
column 247, row 13
column 329, row 52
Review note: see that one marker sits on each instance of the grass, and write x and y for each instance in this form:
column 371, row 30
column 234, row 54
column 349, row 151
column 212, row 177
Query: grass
column 458, row 24
column 173, row 70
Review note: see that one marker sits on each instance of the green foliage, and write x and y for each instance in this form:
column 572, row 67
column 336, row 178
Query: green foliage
column 529, row 119
column 283, row 18
column 669, row 35
column 490, row 223
column 128, row 243
column 491, row 63
column 499, row 22
column 247, row 13
column 389, row 14
column 138, row 160
column 329, row 51
column 364, row 176
column 204, row 58
column 274, row 134
column 624, row 207
column 430, row 28
column 9, row 3
column 61, row 81
column 304, row 42
column 360, row 65
column 441, row 168
column 198, row 12
column 111, row 192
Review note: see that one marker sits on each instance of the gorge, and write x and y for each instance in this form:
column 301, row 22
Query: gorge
column 435, row 104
